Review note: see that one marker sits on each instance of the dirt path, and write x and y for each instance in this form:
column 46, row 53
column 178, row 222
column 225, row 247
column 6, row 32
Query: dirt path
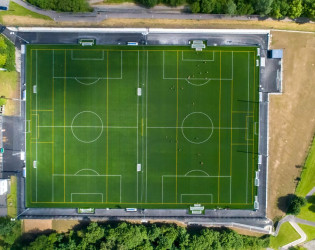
column 292, row 116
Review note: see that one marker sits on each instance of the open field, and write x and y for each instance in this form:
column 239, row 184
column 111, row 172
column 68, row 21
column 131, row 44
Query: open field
column 292, row 116
column 193, row 130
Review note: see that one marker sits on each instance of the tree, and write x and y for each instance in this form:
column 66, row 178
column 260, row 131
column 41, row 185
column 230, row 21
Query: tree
column 44, row 242
column 206, row 6
column 230, row 7
column 148, row 3
column 195, row 7
column 295, row 205
column 3, row 59
column 9, row 231
column 244, row 8
column 309, row 8
column 263, row 7
column 296, row 9
column 3, row 45
column 279, row 8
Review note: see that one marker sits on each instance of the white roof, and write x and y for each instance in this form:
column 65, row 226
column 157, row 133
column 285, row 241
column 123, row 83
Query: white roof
column 3, row 186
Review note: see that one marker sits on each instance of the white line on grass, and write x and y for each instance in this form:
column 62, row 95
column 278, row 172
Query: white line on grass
column 52, row 178
column 87, row 59
column 198, row 60
column 36, row 119
column 196, row 128
column 211, row 196
column 138, row 133
column 87, row 194
column 247, row 125
column 146, row 131
column 119, row 127
column 231, row 132
column 184, row 176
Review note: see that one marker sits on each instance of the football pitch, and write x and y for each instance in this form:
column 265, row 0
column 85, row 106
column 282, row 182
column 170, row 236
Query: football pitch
column 141, row 126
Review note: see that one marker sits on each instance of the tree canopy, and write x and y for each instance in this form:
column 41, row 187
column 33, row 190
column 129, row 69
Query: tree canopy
column 152, row 236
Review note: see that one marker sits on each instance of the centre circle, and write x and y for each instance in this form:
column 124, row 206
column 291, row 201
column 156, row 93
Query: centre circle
column 197, row 127
column 87, row 126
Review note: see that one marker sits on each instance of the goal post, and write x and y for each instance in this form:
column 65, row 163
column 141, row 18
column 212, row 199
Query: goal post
column 86, row 42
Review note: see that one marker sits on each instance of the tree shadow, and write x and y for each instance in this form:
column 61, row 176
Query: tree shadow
column 26, row 238
column 312, row 201
column 284, row 202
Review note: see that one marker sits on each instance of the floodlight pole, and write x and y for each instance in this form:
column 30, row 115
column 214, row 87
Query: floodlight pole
column 13, row 219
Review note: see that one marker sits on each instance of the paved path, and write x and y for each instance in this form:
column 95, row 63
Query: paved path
column 310, row 245
column 294, row 222
column 129, row 11
column 291, row 218
column 298, row 241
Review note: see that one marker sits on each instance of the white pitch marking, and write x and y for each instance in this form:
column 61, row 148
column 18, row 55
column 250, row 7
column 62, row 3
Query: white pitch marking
column 36, row 118
column 87, row 194
column 85, row 169
column 247, row 125
column 138, row 132
column 181, row 196
column 85, row 127
column 198, row 60
column 87, row 59
column 197, row 170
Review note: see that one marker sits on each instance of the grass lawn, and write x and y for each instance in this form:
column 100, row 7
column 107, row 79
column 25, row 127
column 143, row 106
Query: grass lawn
column 286, row 235
column 307, row 178
column 8, row 88
column 308, row 212
column 94, row 141
column 309, row 230
column 17, row 10
column 12, row 198
column 306, row 184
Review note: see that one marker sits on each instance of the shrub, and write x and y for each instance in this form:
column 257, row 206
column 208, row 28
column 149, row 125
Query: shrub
column 295, row 205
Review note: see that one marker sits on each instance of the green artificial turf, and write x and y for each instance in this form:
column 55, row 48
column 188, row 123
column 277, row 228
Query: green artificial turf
column 194, row 129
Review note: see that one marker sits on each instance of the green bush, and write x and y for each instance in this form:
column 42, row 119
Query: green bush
column 7, row 54
column 2, row 101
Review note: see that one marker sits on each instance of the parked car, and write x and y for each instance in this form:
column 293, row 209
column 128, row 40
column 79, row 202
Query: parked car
column 3, row 8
